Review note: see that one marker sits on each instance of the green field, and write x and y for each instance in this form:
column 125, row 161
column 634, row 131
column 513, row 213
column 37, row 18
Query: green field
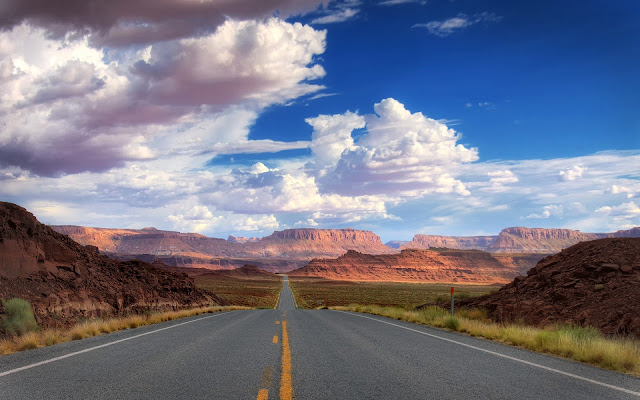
column 318, row 292
column 260, row 292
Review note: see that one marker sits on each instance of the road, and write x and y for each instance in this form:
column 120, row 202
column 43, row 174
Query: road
column 285, row 353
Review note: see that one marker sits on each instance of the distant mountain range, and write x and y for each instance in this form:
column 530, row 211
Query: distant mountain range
column 281, row 251
column 515, row 240
column 293, row 248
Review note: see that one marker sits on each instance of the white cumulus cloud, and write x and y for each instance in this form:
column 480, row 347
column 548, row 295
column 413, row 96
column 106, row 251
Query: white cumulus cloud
column 401, row 154
column 572, row 173
column 68, row 107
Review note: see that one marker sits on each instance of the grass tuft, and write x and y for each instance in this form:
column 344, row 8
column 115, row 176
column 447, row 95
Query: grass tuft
column 452, row 323
column 18, row 317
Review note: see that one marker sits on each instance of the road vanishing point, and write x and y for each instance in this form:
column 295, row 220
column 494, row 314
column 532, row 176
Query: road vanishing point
column 303, row 354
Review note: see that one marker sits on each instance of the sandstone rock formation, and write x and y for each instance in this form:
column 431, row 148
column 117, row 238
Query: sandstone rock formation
column 413, row 265
column 595, row 283
column 516, row 240
column 65, row 281
column 281, row 251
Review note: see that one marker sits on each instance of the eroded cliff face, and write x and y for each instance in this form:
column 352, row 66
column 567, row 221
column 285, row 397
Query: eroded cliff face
column 595, row 283
column 413, row 265
column 516, row 240
column 65, row 281
column 537, row 240
column 315, row 243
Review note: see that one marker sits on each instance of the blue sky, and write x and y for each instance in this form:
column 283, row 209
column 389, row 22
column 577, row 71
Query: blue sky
column 401, row 117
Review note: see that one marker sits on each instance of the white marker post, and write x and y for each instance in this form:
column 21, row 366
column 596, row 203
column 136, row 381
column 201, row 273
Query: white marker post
column 452, row 301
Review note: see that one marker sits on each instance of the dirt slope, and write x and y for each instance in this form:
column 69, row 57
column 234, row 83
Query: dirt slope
column 594, row 283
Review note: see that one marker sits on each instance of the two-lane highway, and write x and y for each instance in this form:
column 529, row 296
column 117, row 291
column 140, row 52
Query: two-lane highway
column 270, row 354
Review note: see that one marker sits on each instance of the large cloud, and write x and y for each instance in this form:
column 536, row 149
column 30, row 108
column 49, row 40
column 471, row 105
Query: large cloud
column 402, row 153
column 243, row 60
column 125, row 22
column 66, row 108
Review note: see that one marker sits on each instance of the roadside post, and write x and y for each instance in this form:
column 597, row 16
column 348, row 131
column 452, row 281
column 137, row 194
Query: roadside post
column 452, row 301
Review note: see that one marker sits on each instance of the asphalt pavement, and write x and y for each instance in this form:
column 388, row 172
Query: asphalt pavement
column 302, row 354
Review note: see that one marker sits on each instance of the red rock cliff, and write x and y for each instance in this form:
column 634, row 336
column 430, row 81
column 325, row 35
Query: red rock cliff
column 537, row 240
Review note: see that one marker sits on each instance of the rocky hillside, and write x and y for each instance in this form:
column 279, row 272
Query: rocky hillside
column 65, row 281
column 281, row 251
column 516, row 240
column 595, row 283
column 445, row 265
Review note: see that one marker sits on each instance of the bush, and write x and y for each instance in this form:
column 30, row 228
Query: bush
column 452, row 323
column 18, row 317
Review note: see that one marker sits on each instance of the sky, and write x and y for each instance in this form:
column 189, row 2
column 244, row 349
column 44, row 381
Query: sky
column 397, row 116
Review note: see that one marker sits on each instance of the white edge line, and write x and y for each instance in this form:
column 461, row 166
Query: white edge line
column 500, row 355
column 12, row 371
column 279, row 295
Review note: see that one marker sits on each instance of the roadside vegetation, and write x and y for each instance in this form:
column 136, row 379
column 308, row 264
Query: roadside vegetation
column 318, row 292
column 47, row 337
column 18, row 317
column 577, row 343
column 258, row 292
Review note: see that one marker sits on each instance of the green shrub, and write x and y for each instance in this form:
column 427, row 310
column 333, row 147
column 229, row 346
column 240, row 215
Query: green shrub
column 452, row 323
column 18, row 317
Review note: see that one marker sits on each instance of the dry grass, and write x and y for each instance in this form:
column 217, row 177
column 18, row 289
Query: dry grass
column 318, row 292
column 577, row 343
column 90, row 328
column 258, row 292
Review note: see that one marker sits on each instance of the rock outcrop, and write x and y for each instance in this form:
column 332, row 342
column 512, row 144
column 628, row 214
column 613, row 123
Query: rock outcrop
column 594, row 283
column 516, row 240
column 413, row 265
column 65, row 281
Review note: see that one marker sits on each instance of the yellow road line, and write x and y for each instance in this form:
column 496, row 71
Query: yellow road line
column 263, row 394
column 286, row 384
column 275, row 339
